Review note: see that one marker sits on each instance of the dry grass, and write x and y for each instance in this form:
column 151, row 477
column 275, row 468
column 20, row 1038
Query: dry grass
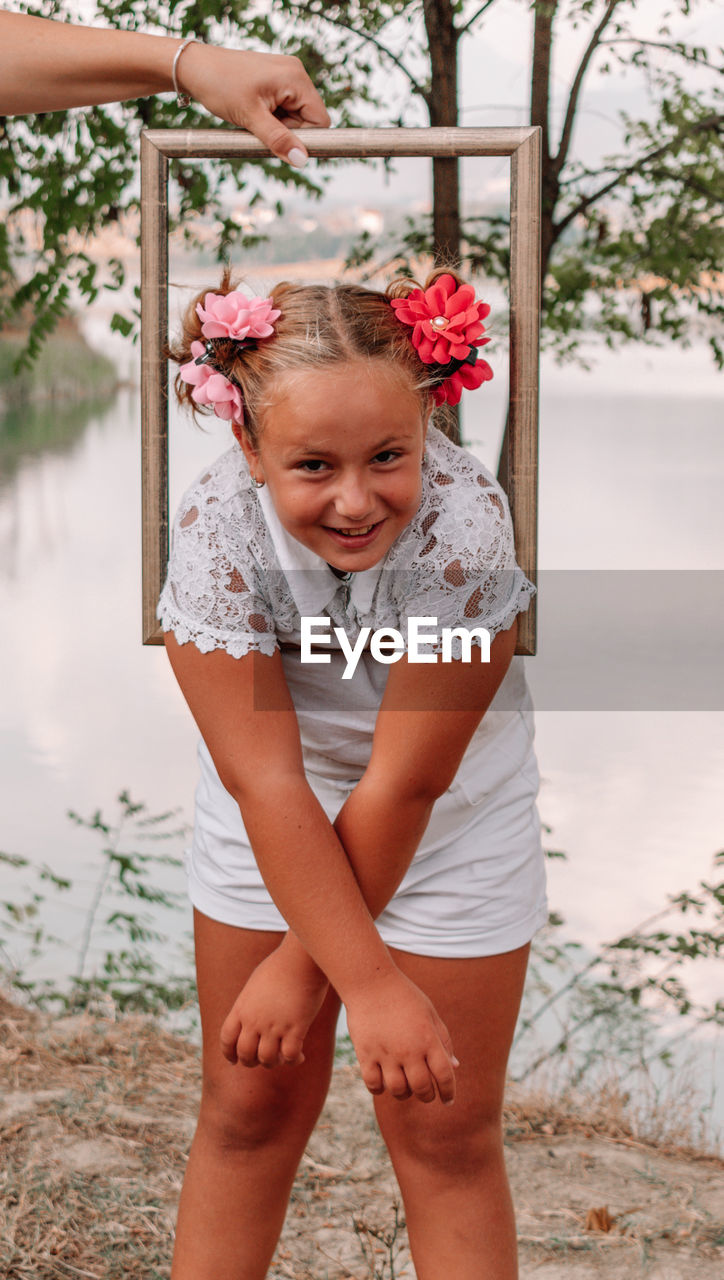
column 95, row 1135
column 608, row 1113
column 97, row 1117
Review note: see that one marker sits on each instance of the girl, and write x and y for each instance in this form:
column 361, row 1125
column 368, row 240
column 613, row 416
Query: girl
column 371, row 839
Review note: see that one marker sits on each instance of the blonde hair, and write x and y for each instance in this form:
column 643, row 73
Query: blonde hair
column 319, row 325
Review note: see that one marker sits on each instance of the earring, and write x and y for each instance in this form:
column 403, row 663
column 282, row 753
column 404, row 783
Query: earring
column 258, row 484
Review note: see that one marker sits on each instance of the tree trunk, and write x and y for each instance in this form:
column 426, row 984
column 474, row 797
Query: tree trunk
column 545, row 12
column 442, row 104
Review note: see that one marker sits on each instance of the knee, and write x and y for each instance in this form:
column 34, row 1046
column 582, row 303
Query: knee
column 235, row 1118
column 447, row 1148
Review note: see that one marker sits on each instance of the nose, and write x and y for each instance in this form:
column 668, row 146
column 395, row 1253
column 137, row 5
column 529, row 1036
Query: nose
column 354, row 499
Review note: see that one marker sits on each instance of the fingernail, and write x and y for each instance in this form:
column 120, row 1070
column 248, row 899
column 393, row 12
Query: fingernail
column 448, row 1102
column 454, row 1061
column 297, row 157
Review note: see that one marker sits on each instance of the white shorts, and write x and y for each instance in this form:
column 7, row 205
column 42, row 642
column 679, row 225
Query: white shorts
column 475, row 887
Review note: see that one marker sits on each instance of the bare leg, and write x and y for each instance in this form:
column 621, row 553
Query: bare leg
column 253, row 1123
column 449, row 1160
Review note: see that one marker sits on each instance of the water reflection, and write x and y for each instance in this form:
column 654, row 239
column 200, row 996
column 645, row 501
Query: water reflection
column 30, row 436
column 30, row 430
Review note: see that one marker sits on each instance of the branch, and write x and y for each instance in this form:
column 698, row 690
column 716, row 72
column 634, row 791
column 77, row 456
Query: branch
column 702, row 126
column 580, row 974
column 478, row 14
column 678, row 49
column 692, row 184
column 370, row 39
column 578, row 81
column 584, row 172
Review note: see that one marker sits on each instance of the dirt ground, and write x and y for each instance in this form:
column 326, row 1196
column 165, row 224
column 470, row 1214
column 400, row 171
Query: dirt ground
column 96, row 1117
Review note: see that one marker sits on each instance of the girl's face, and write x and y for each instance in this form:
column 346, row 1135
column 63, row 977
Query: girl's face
column 341, row 451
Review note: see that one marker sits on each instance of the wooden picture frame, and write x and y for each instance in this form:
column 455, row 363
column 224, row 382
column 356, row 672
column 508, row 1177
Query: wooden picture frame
column 518, row 470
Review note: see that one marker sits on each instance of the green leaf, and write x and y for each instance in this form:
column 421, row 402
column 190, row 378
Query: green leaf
column 121, row 324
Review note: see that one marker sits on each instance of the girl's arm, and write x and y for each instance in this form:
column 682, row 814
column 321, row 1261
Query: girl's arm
column 428, row 715
column 244, row 712
column 51, row 66
column 427, row 718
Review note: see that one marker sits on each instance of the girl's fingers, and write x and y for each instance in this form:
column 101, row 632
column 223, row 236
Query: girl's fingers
column 421, row 1082
column 444, row 1035
column 372, row 1076
column 229, row 1036
column 247, row 1048
column 291, row 1049
column 396, row 1083
column 268, row 1052
column 441, row 1070
column 448, row 1065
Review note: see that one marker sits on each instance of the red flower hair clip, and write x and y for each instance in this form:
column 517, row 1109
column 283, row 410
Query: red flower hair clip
column 447, row 330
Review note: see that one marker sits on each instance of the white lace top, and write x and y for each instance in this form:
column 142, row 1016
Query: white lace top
column 238, row 581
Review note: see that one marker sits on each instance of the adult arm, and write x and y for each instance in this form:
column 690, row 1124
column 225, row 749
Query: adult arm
column 51, row 66
column 245, row 714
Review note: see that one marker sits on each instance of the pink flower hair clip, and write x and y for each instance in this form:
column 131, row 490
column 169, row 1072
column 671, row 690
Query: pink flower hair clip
column 447, row 330
column 226, row 317
column 211, row 387
column 234, row 315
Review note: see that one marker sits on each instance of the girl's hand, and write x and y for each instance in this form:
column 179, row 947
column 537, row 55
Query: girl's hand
column 401, row 1043
column 270, row 1018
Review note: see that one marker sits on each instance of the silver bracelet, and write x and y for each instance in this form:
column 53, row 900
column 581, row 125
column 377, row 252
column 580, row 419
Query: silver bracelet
column 182, row 99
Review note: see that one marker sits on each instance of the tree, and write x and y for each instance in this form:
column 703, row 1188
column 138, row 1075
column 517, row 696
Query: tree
column 645, row 223
column 642, row 225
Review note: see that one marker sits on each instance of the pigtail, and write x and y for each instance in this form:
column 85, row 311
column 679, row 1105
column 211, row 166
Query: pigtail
column 180, row 353
column 444, row 323
column 403, row 286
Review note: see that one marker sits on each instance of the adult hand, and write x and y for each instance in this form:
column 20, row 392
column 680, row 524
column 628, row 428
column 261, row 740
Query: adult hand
column 52, row 66
column 401, row 1043
column 268, row 1021
column 265, row 93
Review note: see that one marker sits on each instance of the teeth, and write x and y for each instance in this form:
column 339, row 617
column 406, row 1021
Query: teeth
column 355, row 533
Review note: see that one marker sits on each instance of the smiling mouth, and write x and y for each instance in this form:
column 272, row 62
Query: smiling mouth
column 355, row 533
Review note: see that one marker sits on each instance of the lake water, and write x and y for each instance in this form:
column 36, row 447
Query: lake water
column 629, row 677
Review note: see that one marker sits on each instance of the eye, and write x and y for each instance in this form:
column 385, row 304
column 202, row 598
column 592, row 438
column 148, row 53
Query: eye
column 387, row 455
column 313, row 466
